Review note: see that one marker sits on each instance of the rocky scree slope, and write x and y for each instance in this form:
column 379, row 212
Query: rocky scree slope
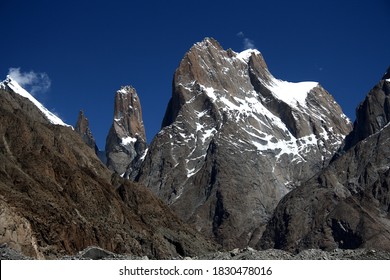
column 96, row 253
column 56, row 197
column 235, row 140
column 347, row 205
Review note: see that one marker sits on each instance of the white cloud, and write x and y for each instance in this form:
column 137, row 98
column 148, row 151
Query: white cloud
column 249, row 44
column 32, row 81
column 246, row 43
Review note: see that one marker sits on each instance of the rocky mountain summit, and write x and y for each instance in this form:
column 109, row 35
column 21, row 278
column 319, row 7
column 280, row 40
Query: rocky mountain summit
column 57, row 197
column 235, row 140
column 126, row 141
column 347, row 205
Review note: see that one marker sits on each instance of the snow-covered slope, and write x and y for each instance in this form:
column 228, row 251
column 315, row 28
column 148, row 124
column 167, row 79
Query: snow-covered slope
column 11, row 84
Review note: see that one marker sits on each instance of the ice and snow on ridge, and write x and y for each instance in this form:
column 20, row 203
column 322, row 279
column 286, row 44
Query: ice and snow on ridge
column 293, row 94
column 245, row 55
column 243, row 108
column 15, row 87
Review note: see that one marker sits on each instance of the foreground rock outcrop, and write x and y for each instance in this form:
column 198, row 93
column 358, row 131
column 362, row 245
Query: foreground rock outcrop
column 347, row 205
column 235, row 140
column 57, row 197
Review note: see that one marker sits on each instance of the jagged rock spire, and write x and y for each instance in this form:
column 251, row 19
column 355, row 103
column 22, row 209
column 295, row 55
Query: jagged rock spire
column 126, row 140
column 82, row 128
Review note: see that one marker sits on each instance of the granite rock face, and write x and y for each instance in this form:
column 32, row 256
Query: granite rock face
column 82, row 128
column 57, row 197
column 126, row 141
column 348, row 204
column 235, row 140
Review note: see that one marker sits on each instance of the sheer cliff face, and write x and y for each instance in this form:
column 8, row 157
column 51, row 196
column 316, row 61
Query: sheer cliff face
column 235, row 140
column 126, row 141
column 348, row 204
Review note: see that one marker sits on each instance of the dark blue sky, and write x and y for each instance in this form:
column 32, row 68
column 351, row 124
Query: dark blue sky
column 88, row 49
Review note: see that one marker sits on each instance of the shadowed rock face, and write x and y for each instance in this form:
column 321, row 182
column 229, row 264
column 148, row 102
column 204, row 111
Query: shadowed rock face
column 348, row 204
column 126, row 140
column 235, row 140
column 372, row 114
column 82, row 128
column 57, row 198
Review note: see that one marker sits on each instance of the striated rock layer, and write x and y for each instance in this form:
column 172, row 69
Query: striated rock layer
column 348, row 204
column 235, row 140
column 126, row 141
column 57, row 198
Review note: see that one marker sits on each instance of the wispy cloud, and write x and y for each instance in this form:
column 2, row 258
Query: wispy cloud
column 246, row 42
column 34, row 82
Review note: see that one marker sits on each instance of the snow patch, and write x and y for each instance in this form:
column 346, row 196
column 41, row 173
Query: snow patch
column 128, row 140
column 187, row 86
column 210, row 92
column 191, row 172
column 123, row 91
column 208, row 133
column 142, row 158
column 294, row 94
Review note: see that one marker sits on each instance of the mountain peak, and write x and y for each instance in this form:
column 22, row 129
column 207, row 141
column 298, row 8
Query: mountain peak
column 126, row 140
column 128, row 89
column 232, row 133
column 386, row 76
column 208, row 42
column 246, row 54
column 10, row 84
column 128, row 113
